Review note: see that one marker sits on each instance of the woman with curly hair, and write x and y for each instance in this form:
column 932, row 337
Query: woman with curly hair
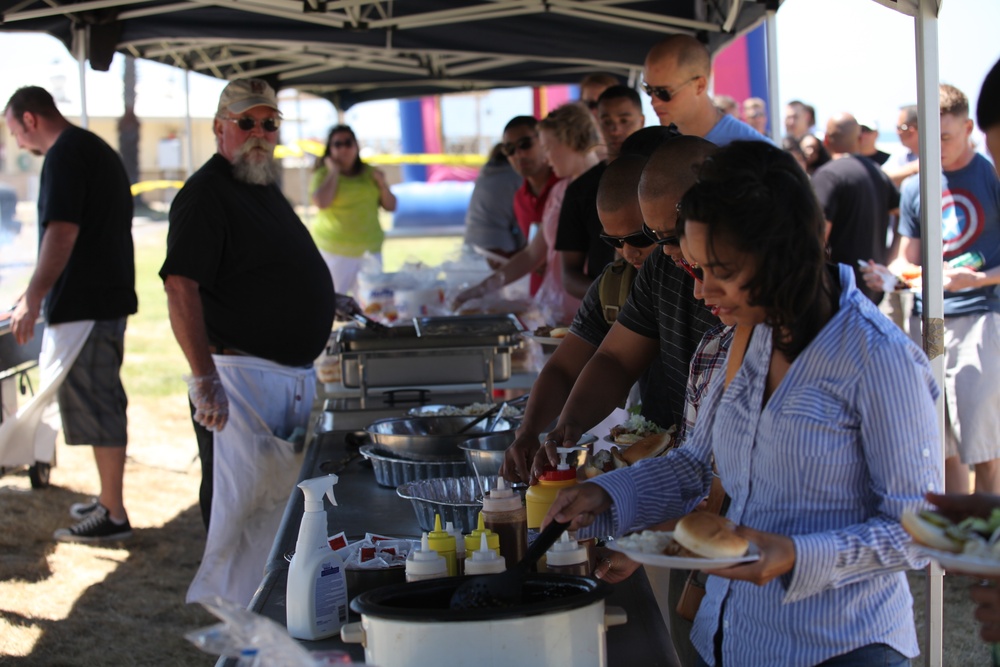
column 822, row 437
column 569, row 138
column 347, row 193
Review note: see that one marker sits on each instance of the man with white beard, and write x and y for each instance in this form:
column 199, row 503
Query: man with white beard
column 251, row 305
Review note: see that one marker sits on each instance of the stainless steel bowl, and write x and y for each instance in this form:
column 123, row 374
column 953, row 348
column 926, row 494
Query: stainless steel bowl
column 429, row 438
column 456, row 499
column 484, row 454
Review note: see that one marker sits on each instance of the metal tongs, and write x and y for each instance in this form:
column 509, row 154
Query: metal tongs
column 495, row 410
column 368, row 323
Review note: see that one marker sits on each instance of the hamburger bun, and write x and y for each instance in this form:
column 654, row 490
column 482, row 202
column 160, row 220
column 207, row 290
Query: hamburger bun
column 648, row 447
column 710, row 536
column 559, row 332
column 928, row 529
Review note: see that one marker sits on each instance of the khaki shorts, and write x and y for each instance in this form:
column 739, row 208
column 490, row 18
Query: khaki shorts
column 971, row 387
column 92, row 400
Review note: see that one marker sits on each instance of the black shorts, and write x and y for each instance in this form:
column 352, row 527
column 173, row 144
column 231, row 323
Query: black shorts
column 92, row 400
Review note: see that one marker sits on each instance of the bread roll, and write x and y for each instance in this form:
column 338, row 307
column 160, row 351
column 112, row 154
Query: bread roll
column 710, row 536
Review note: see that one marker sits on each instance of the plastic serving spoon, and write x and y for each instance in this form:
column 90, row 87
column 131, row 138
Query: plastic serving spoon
column 504, row 589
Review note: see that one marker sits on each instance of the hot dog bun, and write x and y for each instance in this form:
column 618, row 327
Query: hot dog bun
column 710, row 536
column 928, row 529
column 648, row 447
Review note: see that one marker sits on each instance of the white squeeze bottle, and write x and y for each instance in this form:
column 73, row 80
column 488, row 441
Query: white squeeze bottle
column 316, row 594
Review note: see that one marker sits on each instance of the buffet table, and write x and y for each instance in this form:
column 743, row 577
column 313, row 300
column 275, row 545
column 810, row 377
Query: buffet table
column 366, row 507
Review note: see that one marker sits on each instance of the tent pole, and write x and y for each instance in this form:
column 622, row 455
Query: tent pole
column 81, row 62
column 929, row 129
column 188, row 132
column 773, row 103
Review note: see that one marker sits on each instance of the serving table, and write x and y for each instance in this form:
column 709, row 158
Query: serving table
column 366, row 507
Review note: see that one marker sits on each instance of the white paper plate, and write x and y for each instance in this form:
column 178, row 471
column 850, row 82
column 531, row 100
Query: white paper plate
column 682, row 562
column 964, row 562
column 544, row 340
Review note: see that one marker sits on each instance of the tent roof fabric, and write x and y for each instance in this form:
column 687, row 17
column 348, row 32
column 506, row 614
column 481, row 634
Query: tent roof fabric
column 351, row 51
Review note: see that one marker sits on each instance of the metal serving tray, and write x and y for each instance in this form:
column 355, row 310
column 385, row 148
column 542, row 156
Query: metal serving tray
column 433, row 351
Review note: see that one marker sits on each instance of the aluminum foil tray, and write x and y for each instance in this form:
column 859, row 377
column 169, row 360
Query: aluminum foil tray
column 391, row 472
column 456, row 499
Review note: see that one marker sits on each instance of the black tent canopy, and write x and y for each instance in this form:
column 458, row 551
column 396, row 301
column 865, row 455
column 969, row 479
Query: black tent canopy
column 351, row 51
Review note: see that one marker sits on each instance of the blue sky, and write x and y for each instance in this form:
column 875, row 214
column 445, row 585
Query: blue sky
column 839, row 55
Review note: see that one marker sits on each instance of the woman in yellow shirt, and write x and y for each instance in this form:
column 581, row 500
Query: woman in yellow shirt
column 348, row 193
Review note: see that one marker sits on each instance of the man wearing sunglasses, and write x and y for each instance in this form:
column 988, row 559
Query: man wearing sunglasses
column 520, row 145
column 676, row 76
column 251, row 305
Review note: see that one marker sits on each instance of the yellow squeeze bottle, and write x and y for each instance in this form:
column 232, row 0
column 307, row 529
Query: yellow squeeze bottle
column 443, row 542
column 540, row 497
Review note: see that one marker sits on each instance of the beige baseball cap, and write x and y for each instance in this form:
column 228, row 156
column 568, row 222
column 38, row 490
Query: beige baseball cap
column 243, row 94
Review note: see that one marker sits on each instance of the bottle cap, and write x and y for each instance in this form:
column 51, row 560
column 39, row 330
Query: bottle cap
column 472, row 539
column 439, row 539
column 424, row 561
column 502, row 498
column 484, row 560
column 566, row 551
column 459, row 540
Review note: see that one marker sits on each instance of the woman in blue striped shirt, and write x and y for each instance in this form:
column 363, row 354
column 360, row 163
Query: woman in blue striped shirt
column 822, row 439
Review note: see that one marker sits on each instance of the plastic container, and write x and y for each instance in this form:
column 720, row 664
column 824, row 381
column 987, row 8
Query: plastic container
column 443, row 542
column 472, row 540
column 484, row 560
column 540, row 497
column 567, row 556
column 316, row 591
column 504, row 514
column 425, row 563
column 460, row 550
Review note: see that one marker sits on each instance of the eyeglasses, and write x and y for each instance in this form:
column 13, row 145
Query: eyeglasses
column 692, row 270
column 662, row 92
column 346, row 143
column 657, row 239
column 522, row 144
column 636, row 240
column 903, row 127
column 591, row 104
column 246, row 123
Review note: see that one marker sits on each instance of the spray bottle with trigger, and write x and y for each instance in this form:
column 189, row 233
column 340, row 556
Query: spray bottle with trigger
column 316, row 593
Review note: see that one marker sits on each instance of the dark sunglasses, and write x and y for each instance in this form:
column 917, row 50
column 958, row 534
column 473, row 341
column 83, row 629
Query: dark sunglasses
column 695, row 272
column 903, row 127
column 636, row 240
column 346, row 143
column 246, row 123
column 662, row 92
column 522, row 144
column 591, row 104
column 655, row 237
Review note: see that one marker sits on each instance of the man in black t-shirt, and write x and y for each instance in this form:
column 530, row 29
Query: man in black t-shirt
column 584, row 256
column 251, row 305
column 86, row 276
column 856, row 197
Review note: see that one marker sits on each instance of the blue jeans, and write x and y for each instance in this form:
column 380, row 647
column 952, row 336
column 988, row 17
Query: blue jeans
column 873, row 655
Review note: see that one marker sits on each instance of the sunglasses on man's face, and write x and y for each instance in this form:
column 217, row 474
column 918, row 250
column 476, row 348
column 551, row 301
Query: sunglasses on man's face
column 246, row 123
column 346, row 143
column 661, row 241
column 522, row 144
column 636, row 240
column 591, row 104
column 663, row 93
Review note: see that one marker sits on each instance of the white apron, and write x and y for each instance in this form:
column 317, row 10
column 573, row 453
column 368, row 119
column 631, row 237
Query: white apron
column 30, row 435
column 255, row 470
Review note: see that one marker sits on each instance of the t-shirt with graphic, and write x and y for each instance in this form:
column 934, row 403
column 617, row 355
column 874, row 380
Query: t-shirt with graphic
column 970, row 228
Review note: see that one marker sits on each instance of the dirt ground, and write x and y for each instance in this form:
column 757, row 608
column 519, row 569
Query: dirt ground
column 66, row 604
